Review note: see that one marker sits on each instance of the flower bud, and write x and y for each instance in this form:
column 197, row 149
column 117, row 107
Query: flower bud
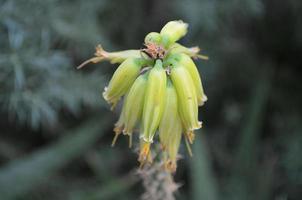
column 173, row 147
column 121, row 56
column 134, row 103
column 122, row 79
column 173, row 31
column 170, row 127
column 153, row 37
column 193, row 52
column 154, row 101
column 188, row 107
column 170, row 122
column 186, row 62
column 112, row 57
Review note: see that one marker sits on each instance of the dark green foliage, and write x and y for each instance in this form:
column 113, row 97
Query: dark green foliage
column 37, row 74
column 251, row 144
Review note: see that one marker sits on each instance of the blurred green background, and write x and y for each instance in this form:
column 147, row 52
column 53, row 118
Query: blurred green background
column 56, row 129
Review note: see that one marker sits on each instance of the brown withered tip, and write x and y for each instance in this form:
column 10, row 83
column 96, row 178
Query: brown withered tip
column 154, row 51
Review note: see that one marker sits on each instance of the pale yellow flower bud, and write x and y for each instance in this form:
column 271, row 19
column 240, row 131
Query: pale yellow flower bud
column 186, row 62
column 112, row 57
column 134, row 103
column 193, row 52
column 153, row 37
column 154, row 101
column 170, row 128
column 173, row 31
column 170, row 122
column 122, row 79
column 188, row 107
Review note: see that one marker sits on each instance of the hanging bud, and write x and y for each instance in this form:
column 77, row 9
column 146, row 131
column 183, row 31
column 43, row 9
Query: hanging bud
column 173, row 31
column 112, row 57
column 134, row 103
column 186, row 62
column 170, row 122
column 122, row 79
column 173, row 147
column 153, row 37
column 188, row 107
column 170, row 128
column 154, row 101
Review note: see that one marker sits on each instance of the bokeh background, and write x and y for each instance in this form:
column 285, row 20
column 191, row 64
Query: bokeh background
column 56, row 129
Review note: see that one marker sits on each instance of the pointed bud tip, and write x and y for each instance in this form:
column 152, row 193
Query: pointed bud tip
column 170, row 166
column 153, row 37
column 144, row 155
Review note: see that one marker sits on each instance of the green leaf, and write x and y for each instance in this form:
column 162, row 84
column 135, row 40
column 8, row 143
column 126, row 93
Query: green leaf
column 203, row 181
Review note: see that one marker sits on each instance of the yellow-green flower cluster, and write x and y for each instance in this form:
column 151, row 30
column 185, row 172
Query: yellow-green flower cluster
column 161, row 91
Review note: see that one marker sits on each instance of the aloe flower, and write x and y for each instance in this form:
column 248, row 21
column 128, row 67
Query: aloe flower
column 161, row 90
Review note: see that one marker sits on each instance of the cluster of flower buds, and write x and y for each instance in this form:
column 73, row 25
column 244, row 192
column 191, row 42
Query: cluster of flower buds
column 161, row 90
